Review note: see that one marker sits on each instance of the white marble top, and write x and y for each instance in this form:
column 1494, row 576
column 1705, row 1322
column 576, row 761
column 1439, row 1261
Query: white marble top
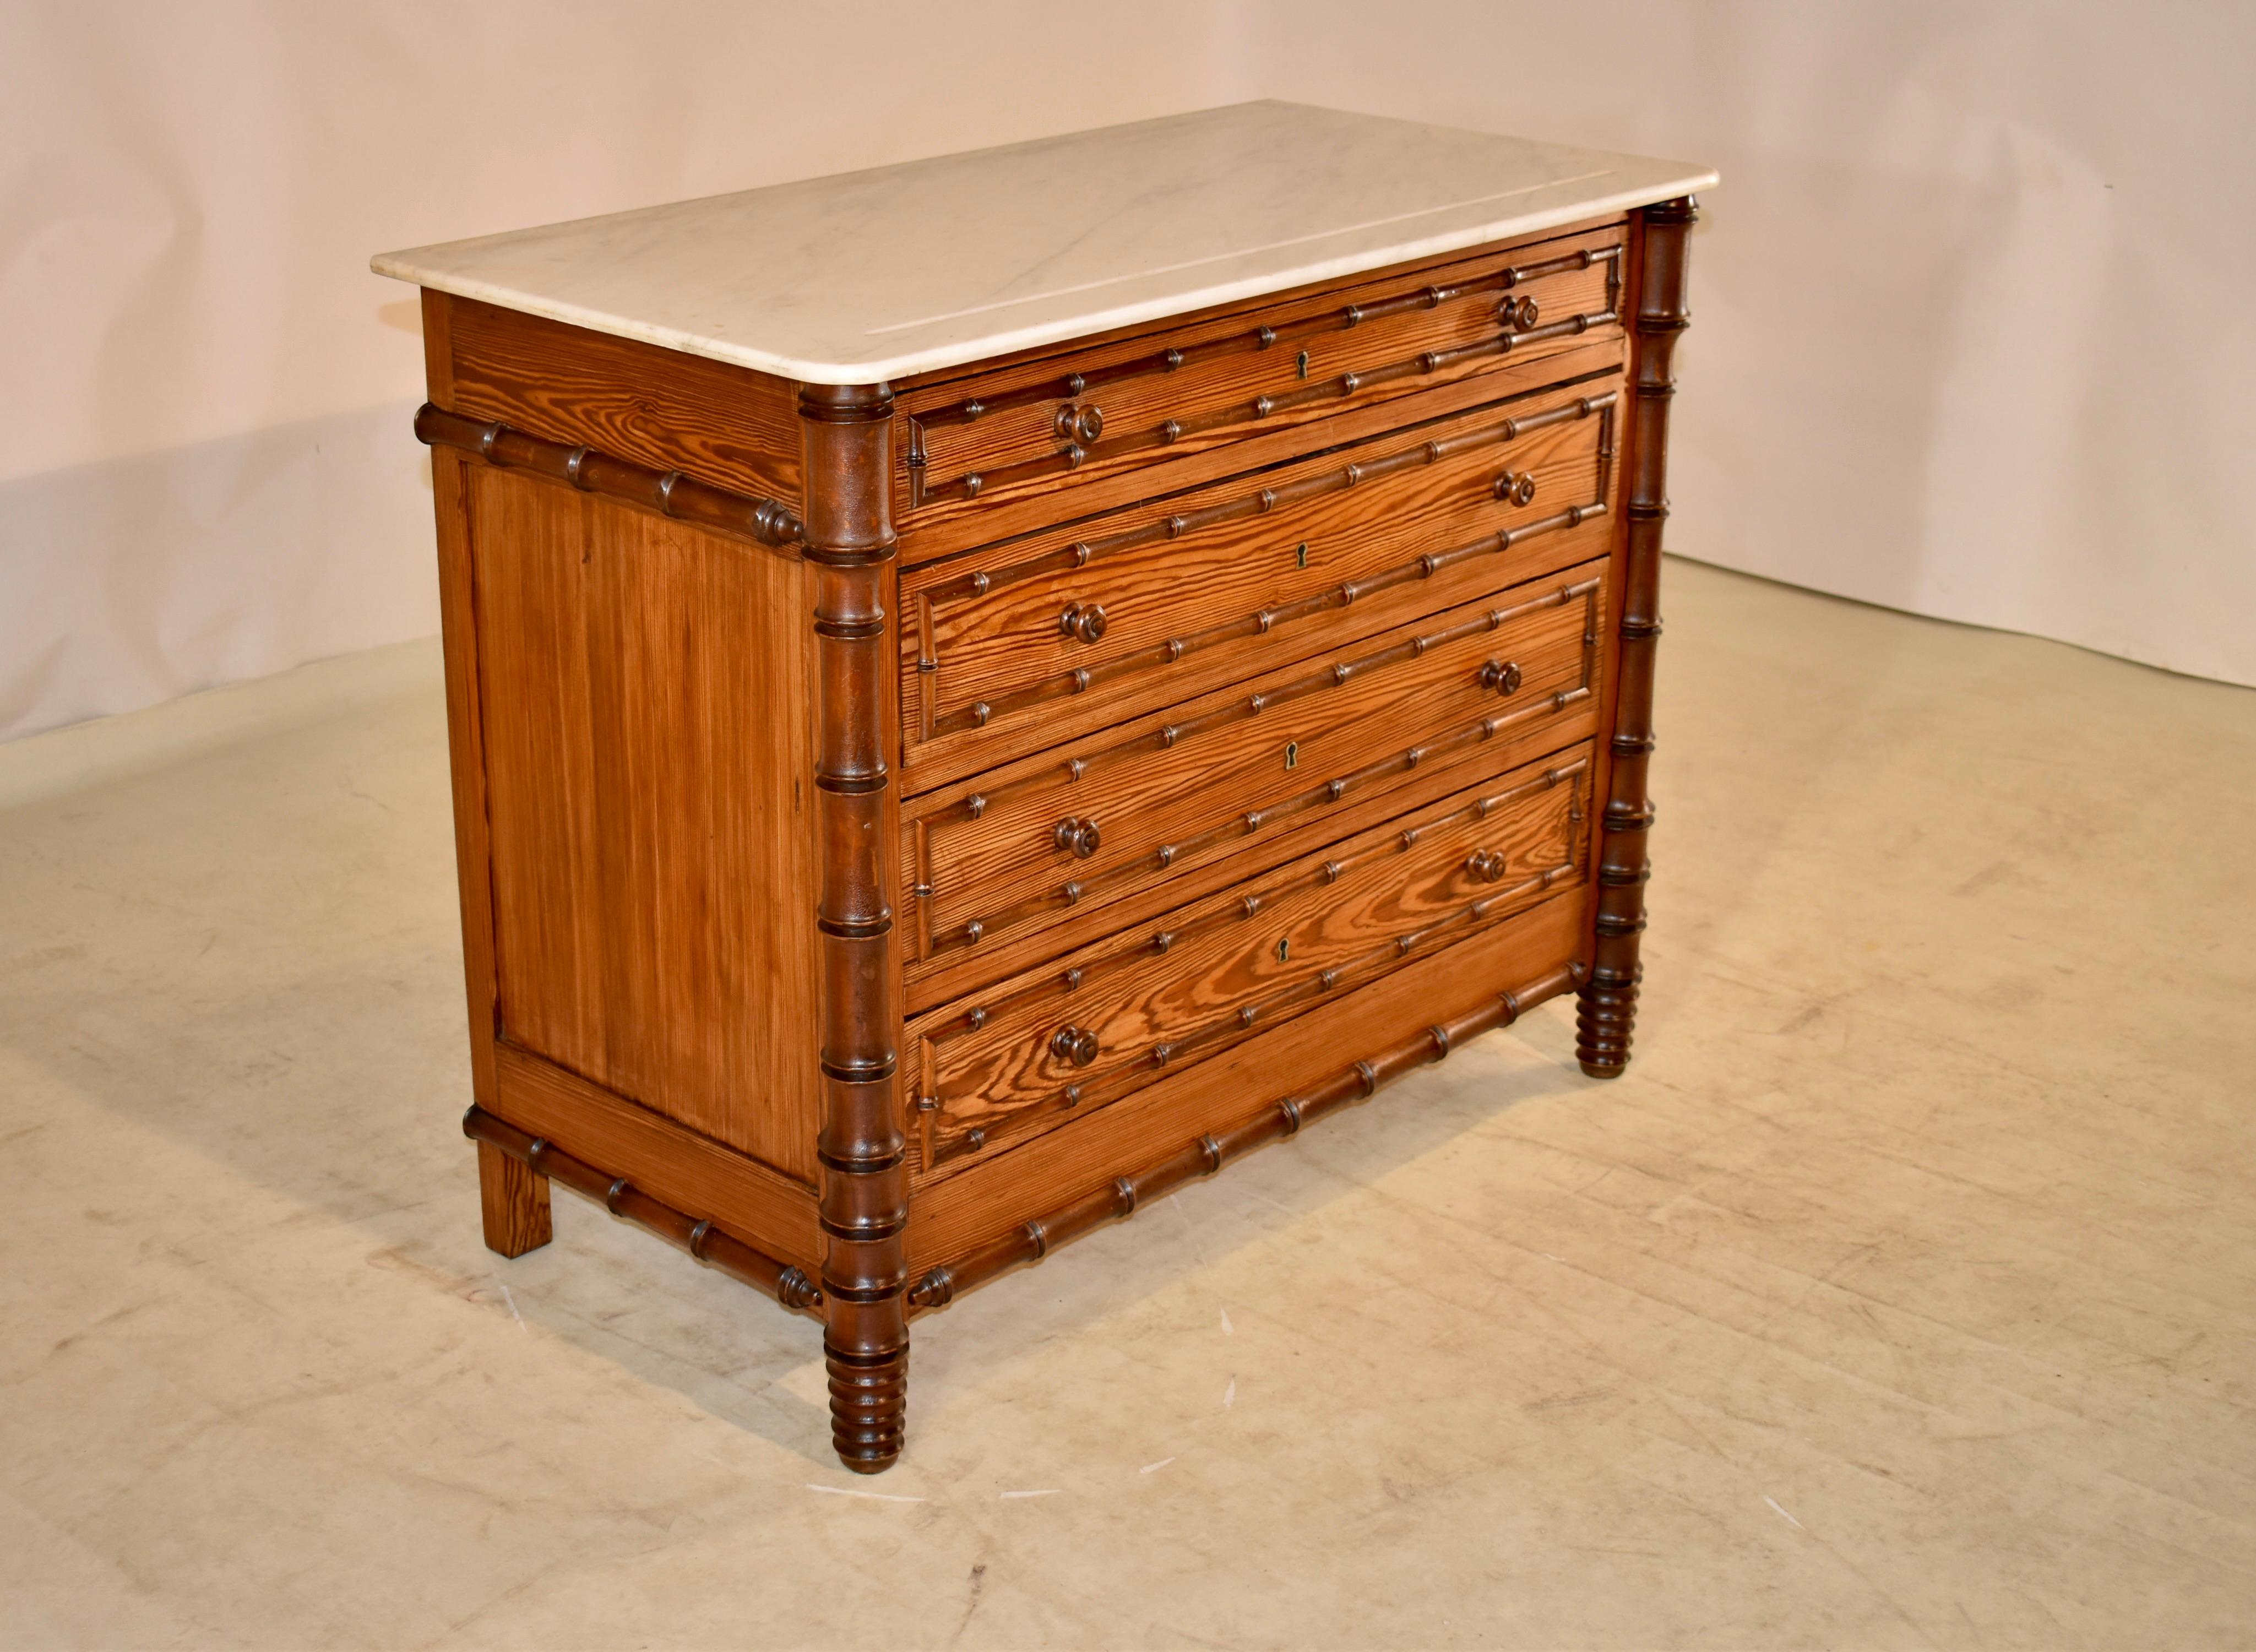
column 900, row 270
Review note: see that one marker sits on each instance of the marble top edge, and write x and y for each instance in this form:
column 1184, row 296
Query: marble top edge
column 965, row 256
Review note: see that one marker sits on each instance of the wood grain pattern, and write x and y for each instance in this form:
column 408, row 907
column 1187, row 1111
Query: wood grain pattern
column 466, row 759
column 647, row 745
column 1212, row 583
column 1058, row 350
column 1272, row 718
column 958, row 1214
column 513, row 1201
column 728, row 426
column 1206, row 780
column 1192, row 384
column 1035, row 1051
column 933, row 538
column 689, row 1171
column 667, row 493
column 705, row 1238
column 1279, row 1119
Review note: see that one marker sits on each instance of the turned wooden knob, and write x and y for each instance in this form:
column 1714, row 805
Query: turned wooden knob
column 1084, row 620
column 1075, row 1044
column 1081, row 424
column 1485, row 866
column 1080, row 836
column 1503, row 676
column 1516, row 487
column 1518, row 314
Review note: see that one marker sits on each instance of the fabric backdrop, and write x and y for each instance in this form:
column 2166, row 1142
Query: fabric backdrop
column 1970, row 306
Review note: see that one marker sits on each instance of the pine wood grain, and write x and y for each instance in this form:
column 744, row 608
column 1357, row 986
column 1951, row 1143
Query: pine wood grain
column 1206, row 779
column 647, row 750
column 687, row 1170
column 728, row 425
column 1188, row 985
column 513, row 1203
column 932, row 538
column 956, row 1214
column 1213, row 394
column 1188, row 600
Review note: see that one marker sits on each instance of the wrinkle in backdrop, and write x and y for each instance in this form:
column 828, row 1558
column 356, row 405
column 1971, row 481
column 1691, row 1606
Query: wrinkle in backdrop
column 1969, row 312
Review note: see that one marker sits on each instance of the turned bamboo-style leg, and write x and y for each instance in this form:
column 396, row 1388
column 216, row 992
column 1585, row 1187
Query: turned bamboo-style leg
column 863, row 1204
column 1608, row 997
column 514, row 1198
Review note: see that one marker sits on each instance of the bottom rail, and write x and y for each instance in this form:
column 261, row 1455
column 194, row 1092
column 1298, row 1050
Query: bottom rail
column 1031, row 1241
column 709, row 1244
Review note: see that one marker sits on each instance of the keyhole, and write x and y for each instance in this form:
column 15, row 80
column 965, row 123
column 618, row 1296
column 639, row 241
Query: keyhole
column 1284, row 950
column 1301, row 554
column 1291, row 754
column 1301, row 364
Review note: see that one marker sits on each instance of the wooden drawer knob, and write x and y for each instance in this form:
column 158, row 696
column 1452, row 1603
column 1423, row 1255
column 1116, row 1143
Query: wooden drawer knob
column 1485, row 866
column 1519, row 314
column 1503, row 676
column 1084, row 424
column 1084, row 620
column 1079, row 836
column 1075, row 1044
column 1516, row 487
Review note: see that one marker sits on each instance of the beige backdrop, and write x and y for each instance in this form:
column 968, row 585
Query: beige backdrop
column 1971, row 308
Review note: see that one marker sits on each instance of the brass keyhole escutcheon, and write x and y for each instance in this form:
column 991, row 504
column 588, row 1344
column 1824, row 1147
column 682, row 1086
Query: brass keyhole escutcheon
column 1516, row 487
column 1084, row 620
column 1485, row 866
column 1301, row 554
column 1075, row 1044
column 1300, row 364
column 1284, row 950
column 1082, row 423
column 1291, row 754
column 1503, row 676
column 1078, row 837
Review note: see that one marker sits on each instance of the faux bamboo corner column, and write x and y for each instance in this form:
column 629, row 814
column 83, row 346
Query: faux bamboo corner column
column 846, row 433
column 1608, row 1007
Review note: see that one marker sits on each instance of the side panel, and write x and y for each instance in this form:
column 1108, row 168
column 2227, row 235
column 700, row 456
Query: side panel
column 642, row 689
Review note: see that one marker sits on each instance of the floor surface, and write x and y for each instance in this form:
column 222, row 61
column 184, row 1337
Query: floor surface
column 1903, row 1294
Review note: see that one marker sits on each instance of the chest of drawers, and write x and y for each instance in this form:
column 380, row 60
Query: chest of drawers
column 982, row 691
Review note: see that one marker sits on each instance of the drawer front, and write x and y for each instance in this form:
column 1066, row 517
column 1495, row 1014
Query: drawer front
column 1161, row 600
column 1103, row 1022
column 1143, row 400
column 1061, row 836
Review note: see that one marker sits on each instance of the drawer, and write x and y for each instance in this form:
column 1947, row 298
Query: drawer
column 1147, row 399
column 1156, row 602
column 1061, row 836
column 1111, row 1018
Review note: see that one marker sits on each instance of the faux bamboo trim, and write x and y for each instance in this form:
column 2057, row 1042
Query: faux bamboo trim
column 973, row 586
column 1318, row 797
column 863, row 1201
column 1607, row 1014
column 714, row 1247
column 667, row 492
column 1119, row 1199
column 1080, row 445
